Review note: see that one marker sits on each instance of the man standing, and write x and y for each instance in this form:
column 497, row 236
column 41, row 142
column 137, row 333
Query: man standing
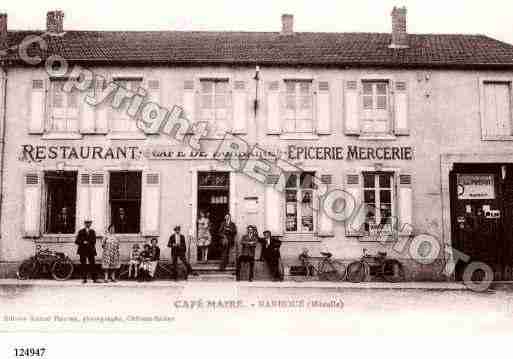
column 247, row 255
column 271, row 254
column 227, row 231
column 86, row 242
column 178, row 250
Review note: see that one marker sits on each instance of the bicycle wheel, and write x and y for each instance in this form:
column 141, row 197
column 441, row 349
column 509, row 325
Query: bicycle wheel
column 332, row 270
column 27, row 269
column 62, row 269
column 356, row 272
column 393, row 271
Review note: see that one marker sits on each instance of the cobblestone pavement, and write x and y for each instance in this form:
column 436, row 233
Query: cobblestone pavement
column 235, row 308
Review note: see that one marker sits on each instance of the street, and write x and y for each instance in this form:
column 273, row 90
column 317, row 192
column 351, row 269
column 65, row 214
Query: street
column 201, row 307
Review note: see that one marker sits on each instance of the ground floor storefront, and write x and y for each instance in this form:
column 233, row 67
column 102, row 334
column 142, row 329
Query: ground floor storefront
column 144, row 191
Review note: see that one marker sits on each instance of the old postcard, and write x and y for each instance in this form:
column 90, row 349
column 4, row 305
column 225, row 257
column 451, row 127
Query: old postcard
column 325, row 169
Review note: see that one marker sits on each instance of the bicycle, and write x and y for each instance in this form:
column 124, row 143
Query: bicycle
column 327, row 268
column 391, row 270
column 45, row 261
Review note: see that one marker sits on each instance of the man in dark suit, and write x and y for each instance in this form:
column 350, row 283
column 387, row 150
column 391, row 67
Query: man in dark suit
column 86, row 242
column 178, row 250
column 271, row 254
column 248, row 243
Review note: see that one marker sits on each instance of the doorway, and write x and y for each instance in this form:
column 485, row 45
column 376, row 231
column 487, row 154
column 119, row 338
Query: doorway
column 482, row 216
column 214, row 201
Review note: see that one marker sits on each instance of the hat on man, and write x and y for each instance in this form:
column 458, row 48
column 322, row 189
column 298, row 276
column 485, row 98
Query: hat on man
column 177, row 228
column 88, row 220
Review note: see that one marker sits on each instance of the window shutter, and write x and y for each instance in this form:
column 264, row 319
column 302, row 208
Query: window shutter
column 32, row 204
column 405, row 201
column 325, row 222
column 102, row 110
column 153, row 89
column 323, row 108
column 496, row 109
column 87, row 121
column 83, row 200
column 240, row 108
column 273, row 108
column 401, row 108
column 98, row 204
column 352, row 108
column 38, row 111
column 189, row 100
column 355, row 211
column 273, row 206
column 151, row 204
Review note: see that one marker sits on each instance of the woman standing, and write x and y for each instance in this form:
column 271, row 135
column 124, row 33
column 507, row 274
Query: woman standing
column 110, row 258
column 204, row 237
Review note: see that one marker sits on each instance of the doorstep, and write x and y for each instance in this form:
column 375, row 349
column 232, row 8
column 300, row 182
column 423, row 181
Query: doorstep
column 257, row 284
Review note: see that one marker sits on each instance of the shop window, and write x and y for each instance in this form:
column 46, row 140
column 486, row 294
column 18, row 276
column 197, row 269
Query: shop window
column 60, row 202
column 125, row 201
column 299, row 195
column 497, row 109
column 120, row 121
column 378, row 195
column 298, row 107
column 64, row 109
column 215, row 103
column 375, row 107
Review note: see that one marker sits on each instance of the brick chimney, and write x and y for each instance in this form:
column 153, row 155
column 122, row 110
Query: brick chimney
column 399, row 31
column 3, row 30
column 287, row 24
column 55, row 22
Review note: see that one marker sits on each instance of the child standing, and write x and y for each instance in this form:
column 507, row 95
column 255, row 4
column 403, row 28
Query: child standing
column 133, row 265
column 144, row 260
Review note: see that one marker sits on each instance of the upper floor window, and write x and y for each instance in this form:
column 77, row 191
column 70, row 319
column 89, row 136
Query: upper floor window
column 215, row 104
column 496, row 109
column 298, row 106
column 375, row 107
column 299, row 195
column 64, row 109
column 120, row 121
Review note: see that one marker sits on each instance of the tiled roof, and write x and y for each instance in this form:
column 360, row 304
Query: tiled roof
column 272, row 48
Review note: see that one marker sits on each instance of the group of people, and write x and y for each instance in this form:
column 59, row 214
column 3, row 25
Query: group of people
column 143, row 263
column 270, row 253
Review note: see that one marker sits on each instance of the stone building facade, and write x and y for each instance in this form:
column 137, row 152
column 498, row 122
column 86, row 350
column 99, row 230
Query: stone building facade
column 399, row 121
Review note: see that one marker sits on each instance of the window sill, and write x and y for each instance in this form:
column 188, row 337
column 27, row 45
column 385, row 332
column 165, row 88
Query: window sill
column 61, row 136
column 300, row 237
column 56, row 238
column 368, row 137
column 299, row 136
column 129, row 237
column 497, row 138
column 382, row 238
column 326, row 235
column 126, row 136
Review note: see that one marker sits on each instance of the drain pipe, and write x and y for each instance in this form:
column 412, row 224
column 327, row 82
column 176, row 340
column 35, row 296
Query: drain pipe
column 3, row 120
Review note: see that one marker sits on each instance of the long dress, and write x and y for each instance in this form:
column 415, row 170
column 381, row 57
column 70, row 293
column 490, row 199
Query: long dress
column 204, row 237
column 110, row 258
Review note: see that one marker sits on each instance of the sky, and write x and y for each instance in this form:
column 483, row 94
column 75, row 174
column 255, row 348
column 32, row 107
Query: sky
column 491, row 17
